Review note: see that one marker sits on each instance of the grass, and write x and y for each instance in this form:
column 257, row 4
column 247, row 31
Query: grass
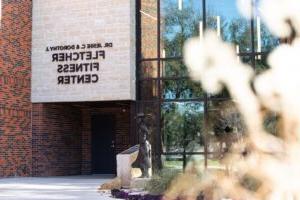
column 177, row 164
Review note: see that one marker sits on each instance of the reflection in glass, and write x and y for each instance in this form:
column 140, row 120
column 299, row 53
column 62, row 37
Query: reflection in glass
column 174, row 68
column 182, row 127
column 226, row 127
column 148, row 69
column 223, row 17
column 181, row 123
column 149, row 37
column 215, row 164
column 173, row 162
column 179, row 21
column 246, row 59
column 181, row 89
column 264, row 40
column 148, row 89
column 261, row 64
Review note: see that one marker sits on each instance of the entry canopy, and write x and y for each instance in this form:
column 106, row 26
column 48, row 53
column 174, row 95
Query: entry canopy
column 83, row 50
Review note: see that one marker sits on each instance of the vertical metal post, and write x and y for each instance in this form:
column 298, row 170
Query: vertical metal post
column 252, row 35
column 205, row 97
column 138, row 37
column 158, row 136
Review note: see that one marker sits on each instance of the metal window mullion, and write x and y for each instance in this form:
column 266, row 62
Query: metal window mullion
column 205, row 96
column 159, row 150
column 252, row 35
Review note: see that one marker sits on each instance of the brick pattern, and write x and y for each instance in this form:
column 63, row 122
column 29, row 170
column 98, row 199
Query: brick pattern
column 122, row 116
column 43, row 139
column 62, row 136
column 56, row 140
column 15, row 106
column 149, row 28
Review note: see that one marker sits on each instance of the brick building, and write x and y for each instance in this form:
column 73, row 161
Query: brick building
column 74, row 73
column 55, row 137
column 15, row 105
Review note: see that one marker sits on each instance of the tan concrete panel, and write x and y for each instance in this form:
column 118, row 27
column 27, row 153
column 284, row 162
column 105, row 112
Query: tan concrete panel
column 81, row 72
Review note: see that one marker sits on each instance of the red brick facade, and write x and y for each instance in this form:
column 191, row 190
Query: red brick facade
column 15, row 106
column 61, row 135
column 123, row 116
column 44, row 139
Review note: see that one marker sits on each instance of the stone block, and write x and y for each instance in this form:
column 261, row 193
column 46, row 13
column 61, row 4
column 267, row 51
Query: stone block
column 124, row 170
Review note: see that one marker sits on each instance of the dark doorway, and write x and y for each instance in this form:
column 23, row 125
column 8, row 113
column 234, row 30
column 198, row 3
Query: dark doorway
column 103, row 144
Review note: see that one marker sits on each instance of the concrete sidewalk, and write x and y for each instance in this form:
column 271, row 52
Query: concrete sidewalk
column 53, row 188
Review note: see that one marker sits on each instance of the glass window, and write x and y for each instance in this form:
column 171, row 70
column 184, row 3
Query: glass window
column 246, row 59
column 179, row 98
column 223, row 17
column 226, row 126
column 173, row 68
column 182, row 126
column 173, row 162
column 272, row 123
column 147, row 69
column 261, row 62
column 148, row 89
column 181, row 89
column 215, row 164
column 263, row 39
column 149, row 22
column 179, row 20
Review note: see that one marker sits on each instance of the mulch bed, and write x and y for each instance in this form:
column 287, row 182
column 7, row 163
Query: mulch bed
column 123, row 194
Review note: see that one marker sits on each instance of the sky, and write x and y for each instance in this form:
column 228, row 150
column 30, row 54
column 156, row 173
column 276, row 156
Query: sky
column 226, row 8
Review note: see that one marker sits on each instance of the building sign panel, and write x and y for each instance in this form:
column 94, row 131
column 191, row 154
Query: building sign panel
column 83, row 50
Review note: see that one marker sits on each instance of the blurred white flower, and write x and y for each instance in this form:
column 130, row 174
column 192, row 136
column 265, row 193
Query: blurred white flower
column 277, row 88
column 281, row 79
column 271, row 162
column 275, row 14
column 244, row 7
column 213, row 62
column 278, row 15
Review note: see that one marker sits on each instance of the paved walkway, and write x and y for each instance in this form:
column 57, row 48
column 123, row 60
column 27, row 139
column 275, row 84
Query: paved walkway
column 53, row 188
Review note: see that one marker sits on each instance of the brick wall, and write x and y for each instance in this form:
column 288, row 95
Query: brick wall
column 149, row 28
column 15, row 106
column 42, row 139
column 122, row 116
column 62, row 136
column 56, row 140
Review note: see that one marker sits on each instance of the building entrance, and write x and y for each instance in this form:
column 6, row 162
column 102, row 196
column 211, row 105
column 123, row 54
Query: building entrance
column 103, row 144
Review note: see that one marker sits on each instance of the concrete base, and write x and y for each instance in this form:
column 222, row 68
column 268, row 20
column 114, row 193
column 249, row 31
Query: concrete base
column 125, row 172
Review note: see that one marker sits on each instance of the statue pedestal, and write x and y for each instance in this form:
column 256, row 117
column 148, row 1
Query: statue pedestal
column 124, row 170
column 139, row 183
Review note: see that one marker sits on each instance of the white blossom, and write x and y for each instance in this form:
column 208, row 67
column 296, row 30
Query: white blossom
column 275, row 14
column 244, row 7
column 278, row 87
column 213, row 62
column 272, row 160
column 278, row 15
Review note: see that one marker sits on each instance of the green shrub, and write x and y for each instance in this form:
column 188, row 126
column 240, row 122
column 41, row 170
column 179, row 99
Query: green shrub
column 160, row 182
